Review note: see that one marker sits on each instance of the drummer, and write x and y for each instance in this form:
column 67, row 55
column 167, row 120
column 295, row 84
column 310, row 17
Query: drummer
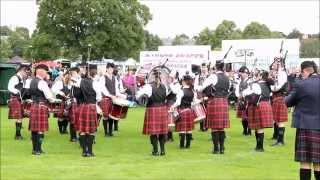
column 185, row 125
column 40, row 94
column 110, row 89
column 15, row 87
column 156, row 114
column 216, row 88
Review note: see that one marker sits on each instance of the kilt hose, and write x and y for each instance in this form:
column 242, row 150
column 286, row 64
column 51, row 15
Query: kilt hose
column 186, row 121
column 88, row 118
column 38, row 119
column 261, row 116
column 279, row 108
column 156, row 120
column 15, row 108
column 105, row 105
column 74, row 113
column 307, row 146
column 217, row 114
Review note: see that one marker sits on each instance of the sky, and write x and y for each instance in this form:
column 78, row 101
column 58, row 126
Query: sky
column 190, row 17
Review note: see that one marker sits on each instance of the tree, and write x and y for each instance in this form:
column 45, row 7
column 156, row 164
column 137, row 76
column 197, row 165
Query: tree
column 310, row 48
column 224, row 31
column 181, row 39
column 114, row 28
column 205, row 37
column 19, row 41
column 255, row 30
column 295, row 34
column 43, row 47
column 151, row 41
column 277, row 34
column 6, row 51
column 5, row 31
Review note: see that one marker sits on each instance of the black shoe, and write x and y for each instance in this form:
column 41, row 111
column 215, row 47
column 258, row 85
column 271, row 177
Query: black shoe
column 222, row 150
column 73, row 140
column 162, row 153
column 36, row 153
column 84, row 154
column 215, row 151
column 155, row 153
column 259, row 150
column 278, row 144
column 42, row 152
column 18, row 138
column 90, row 155
column 110, row 134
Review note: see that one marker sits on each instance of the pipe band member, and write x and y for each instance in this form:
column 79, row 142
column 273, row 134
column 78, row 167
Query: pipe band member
column 305, row 98
column 241, row 105
column 156, row 114
column 216, row 88
column 279, row 108
column 185, row 125
column 89, row 110
column 16, row 88
column 260, row 114
column 38, row 119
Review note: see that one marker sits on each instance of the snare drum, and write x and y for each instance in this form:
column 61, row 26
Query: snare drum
column 119, row 109
column 199, row 111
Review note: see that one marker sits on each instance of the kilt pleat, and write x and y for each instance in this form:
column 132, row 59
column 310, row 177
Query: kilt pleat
column 279, row 108
column 39, row 117
column 261, row 116
column 186, row 121
column 156, row 120
column 88, row 118
column 105, row 105
column 60, row 110
column 15, row 108
column 241, row 112
column 307, row 146
column 217, row 114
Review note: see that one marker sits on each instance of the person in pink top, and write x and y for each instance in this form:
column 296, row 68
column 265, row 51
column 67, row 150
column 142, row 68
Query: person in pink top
column 129, row 82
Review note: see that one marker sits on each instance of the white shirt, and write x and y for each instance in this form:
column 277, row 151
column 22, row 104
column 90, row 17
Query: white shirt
column 254, row 88
column 282, row 79
column 57, row 88
column 14, row 80
column 147, row 90
column 179, row 97
column 43, row 86
column 105, row 91
column 211, row 80
column 175, row 87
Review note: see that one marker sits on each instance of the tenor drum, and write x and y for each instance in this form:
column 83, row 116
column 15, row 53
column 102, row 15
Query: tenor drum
column 173, row 117
column 199, row 111
column 119, row 109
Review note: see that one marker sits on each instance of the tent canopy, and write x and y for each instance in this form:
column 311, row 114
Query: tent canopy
column 131, row 62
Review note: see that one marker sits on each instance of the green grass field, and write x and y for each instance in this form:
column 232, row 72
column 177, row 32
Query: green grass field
column 127, row 155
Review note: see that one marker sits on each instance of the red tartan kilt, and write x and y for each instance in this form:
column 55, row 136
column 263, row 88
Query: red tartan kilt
column 59, row 108
column 15, row 108
column 279, row 108
column 217, row 114
column 307, row 146
column 26, row 109
column 241, row 113
column 156, row 120
column 88, row 118
column 260, row 117
column 186, row 121
column 73, row 113
column 105, row 105
column 39, row 117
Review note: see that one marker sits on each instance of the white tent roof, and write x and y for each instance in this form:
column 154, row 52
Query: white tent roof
column 131, row 62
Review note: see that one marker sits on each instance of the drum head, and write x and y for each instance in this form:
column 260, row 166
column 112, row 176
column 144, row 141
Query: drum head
column 164, row 74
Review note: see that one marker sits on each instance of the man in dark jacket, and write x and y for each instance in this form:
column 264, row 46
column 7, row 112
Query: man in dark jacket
column 305, row 97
